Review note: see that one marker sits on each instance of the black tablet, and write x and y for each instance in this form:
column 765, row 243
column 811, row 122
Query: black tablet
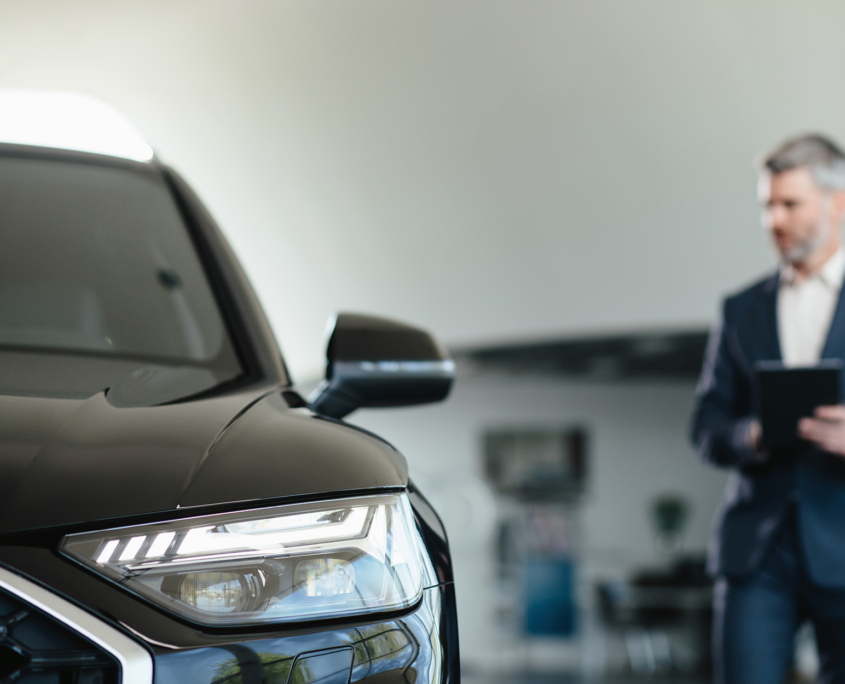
column 786, row 395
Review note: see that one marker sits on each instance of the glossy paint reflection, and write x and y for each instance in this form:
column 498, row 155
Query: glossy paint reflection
column 407, row 650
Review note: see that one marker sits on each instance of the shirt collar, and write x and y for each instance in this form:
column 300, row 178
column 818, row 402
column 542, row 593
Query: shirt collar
column 832, row 272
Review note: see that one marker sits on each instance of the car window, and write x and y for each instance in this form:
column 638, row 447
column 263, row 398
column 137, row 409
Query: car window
column 97, row 259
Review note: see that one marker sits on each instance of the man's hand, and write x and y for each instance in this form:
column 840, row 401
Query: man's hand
column 752, row 440
column 826, row 429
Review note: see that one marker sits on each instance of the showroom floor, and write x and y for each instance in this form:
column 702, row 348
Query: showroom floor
column 574, row 679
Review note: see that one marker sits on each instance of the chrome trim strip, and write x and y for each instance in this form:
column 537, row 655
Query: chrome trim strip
column 443, row 367
column 136, row 664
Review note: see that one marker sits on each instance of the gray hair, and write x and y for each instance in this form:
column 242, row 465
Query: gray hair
column 823, row 157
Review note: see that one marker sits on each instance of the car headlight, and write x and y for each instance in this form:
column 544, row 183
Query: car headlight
column 296, row 562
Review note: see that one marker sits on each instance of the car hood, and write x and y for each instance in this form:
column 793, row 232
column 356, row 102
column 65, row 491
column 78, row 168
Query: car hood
column 70, row 461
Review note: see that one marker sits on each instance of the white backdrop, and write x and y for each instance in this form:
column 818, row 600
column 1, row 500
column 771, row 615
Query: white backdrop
column 491, row 169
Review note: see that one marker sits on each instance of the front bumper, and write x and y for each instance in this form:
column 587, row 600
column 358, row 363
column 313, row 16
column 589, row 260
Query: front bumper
column 417, row 646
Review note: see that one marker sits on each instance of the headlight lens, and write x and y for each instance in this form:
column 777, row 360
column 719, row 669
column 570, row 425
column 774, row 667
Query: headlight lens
column 296, row 562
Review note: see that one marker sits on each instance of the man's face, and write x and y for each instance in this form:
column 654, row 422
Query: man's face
column 796, row 212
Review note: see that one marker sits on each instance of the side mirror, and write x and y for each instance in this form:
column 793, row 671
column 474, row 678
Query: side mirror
column 374, row 361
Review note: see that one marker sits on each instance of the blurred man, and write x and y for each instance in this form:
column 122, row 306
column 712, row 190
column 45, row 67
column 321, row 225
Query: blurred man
column 779, row 549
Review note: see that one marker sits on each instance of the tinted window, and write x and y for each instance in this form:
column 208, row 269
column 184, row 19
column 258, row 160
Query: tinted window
column 97, row 259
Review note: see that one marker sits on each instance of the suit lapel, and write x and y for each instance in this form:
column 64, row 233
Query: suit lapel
column 834, row 346
column 768, row 335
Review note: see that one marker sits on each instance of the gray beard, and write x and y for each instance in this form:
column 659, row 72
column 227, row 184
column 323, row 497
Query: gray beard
column 801, row 252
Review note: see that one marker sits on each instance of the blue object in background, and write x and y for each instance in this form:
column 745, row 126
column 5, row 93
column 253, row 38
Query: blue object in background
column 549, row 603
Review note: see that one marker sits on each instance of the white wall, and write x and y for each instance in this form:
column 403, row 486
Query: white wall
column 637, row 449
column 491, row 169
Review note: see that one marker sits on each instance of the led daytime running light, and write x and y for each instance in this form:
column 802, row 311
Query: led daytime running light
column 303, row 561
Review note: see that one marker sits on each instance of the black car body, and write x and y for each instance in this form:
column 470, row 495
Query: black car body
column 112, row 445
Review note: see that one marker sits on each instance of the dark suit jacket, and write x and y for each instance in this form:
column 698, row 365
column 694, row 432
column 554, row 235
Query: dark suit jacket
column 758, row 494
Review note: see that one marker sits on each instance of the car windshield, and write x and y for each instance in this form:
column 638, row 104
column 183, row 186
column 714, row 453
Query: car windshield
column 97, row 260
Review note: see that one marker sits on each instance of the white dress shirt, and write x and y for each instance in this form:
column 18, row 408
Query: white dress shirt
column 805, row 308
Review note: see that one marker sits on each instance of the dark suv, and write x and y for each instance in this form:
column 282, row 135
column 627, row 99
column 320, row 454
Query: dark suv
column 171, row 509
